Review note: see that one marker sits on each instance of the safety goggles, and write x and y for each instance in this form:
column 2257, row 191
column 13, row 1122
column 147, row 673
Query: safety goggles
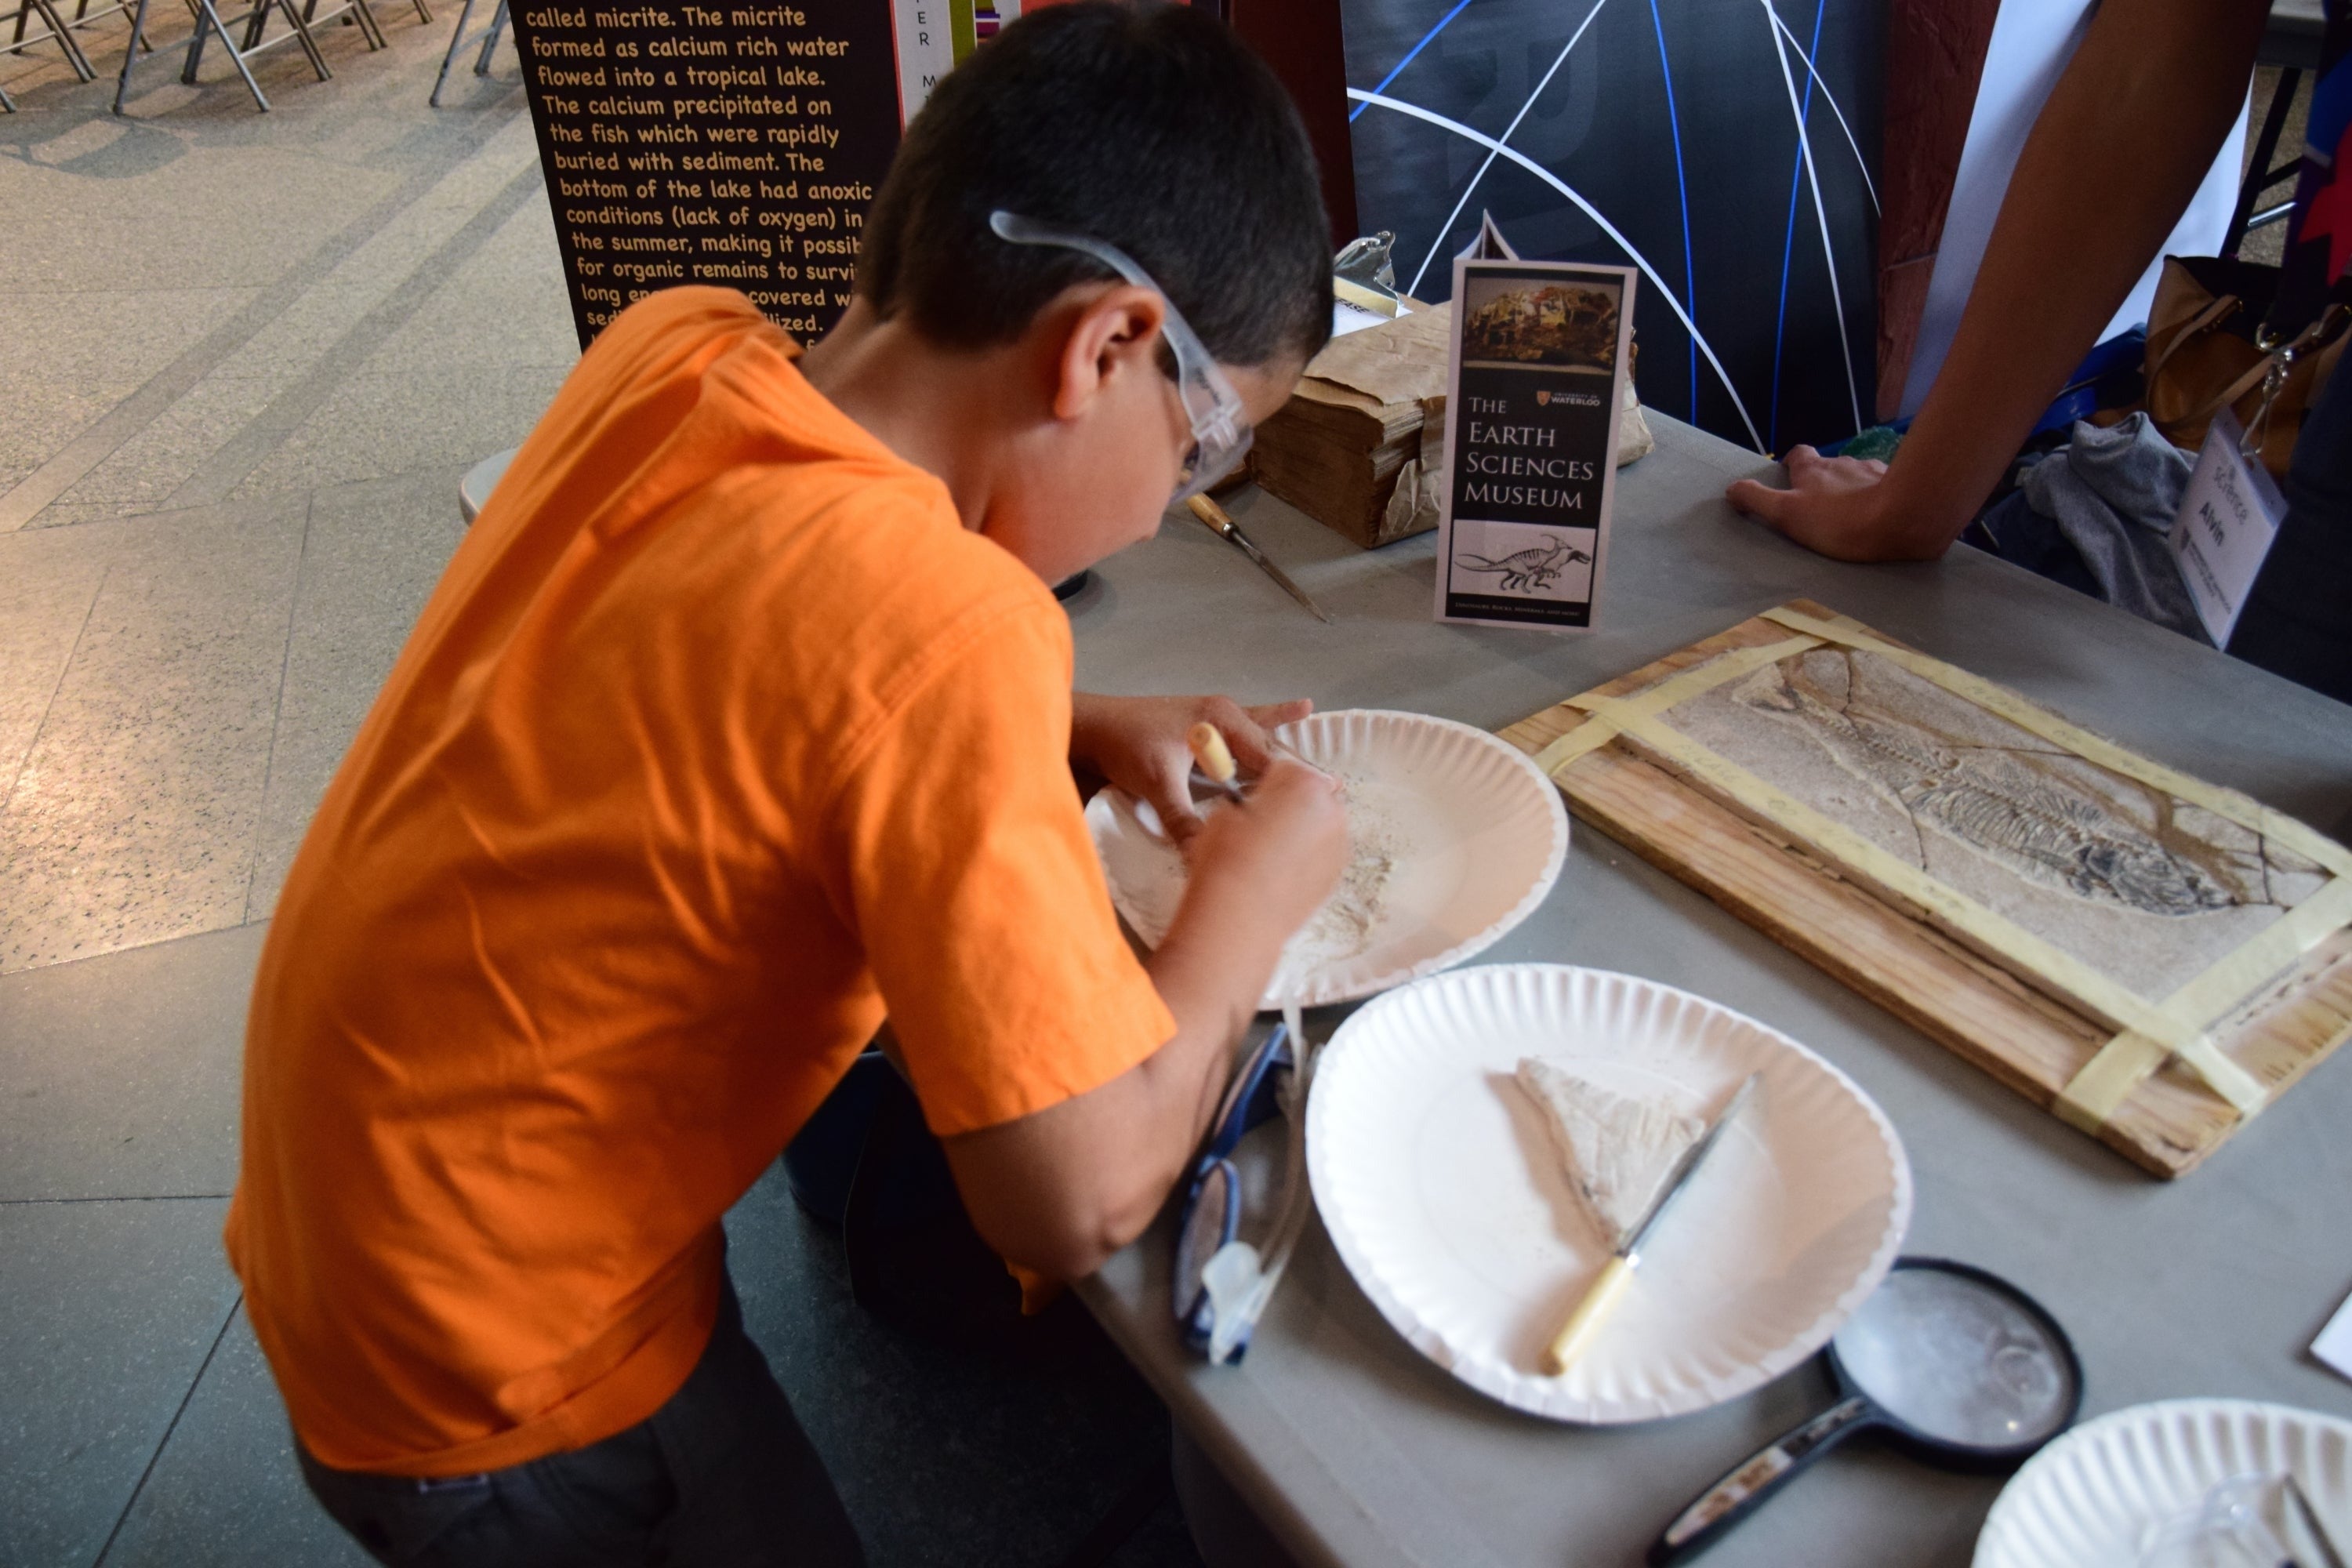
column 1221, row 431
column 1220, row 1284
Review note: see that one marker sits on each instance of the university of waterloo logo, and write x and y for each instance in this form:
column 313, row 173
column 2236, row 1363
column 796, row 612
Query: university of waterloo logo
column 1543, row 398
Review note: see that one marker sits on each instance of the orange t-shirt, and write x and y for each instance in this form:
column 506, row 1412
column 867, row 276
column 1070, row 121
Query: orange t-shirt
column 720, row 736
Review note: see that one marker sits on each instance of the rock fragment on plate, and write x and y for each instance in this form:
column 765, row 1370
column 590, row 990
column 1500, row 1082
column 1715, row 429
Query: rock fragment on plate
column 1619, row 1148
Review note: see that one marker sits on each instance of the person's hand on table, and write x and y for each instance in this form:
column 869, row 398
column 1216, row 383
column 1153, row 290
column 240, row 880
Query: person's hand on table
column 1138, row 743
column 1845, row 509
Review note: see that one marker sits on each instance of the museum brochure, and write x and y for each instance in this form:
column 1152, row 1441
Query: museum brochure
column 1539, row 354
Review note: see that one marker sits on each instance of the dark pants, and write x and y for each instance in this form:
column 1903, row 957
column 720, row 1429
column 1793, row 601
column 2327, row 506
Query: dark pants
column 720, row 1474
column 2294, row 622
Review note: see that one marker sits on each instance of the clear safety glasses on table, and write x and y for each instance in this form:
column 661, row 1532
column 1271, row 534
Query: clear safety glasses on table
column 1220, row 433
column 1221, row 1285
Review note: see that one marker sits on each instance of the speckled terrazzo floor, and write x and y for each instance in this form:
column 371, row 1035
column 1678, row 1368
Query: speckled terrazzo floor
column 244, row 359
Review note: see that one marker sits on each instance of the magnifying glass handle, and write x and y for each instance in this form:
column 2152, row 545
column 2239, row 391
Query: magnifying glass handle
column 1743, row 1490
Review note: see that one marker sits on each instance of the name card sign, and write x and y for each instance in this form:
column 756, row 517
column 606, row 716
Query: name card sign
column 727, row 144
column 2229, row 517
column 1538, row 360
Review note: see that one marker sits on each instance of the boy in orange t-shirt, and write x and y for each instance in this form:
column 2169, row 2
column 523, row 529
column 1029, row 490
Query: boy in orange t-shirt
column 743, row 718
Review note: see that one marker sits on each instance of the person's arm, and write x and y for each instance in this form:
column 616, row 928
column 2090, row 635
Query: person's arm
column 1068, row 1082
column 2127, row 136
column 1061, row 1190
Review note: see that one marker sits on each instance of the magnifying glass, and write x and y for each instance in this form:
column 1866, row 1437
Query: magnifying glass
column 1956, row 1365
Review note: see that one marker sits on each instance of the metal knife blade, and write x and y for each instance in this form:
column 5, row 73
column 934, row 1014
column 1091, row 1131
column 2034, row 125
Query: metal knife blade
column 1688, row 1167
column 2311, row 1521
column 1219, row 522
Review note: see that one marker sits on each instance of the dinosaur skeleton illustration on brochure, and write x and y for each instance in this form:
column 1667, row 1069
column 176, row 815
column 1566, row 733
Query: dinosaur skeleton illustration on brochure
column 1526, row 570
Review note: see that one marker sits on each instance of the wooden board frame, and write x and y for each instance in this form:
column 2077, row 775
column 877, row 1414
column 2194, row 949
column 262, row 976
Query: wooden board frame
column 2002, row 1021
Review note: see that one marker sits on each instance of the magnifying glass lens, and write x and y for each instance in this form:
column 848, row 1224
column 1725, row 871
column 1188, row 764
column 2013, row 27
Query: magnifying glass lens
column 1964, row 1366
column 1958, row 1360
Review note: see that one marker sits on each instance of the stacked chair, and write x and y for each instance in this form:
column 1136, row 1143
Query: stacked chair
column 242, row 35
column 301, row 17
column 56, row 30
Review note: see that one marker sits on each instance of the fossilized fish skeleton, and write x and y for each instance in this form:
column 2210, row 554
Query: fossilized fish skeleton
column 2024, row 819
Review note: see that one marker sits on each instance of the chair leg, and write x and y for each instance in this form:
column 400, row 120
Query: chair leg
column 370, row 28
column 309, row 44
column 212, row 15
column 205, row 18
column 62, row 34
column 130, row 56
column 294, row 19
column 66, row 41
column 490, row 43
column 52, row 30
column 355, row 14
column 455, row 39
column 2260, row 176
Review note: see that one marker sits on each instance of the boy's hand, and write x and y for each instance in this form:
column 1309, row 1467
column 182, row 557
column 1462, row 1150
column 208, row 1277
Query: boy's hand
column 1278, row 854
column 1138, row 744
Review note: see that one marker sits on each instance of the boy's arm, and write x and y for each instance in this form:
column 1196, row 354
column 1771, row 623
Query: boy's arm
column 1061, row 1190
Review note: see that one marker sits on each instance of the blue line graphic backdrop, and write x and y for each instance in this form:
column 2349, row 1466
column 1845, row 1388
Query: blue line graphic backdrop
column 1606, row 126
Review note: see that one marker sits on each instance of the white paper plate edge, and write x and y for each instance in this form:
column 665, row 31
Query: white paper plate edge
column 1559, row 1404
column 1321, row 996
column 1324, row 995
column 1994, row 1546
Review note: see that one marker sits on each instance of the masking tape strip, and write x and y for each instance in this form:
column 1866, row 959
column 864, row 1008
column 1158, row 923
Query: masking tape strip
column 2104, row 998
column 1679, row 687
column 2091, row 1098
column 2243, row 810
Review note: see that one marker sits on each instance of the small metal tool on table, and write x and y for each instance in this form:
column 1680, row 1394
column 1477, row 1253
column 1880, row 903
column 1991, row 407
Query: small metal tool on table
column 2309, row 1516
column 1219, row 522
column 1594, row 1308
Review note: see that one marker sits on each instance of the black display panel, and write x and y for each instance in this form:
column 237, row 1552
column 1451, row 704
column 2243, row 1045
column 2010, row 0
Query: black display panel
column 1661, row 133
column 733, row 144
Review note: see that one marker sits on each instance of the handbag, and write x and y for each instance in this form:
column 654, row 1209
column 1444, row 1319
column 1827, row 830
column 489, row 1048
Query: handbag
column 2211, row 345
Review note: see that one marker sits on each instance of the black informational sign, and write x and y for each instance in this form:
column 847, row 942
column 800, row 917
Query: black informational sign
column 1538, row 357
column 727, row 144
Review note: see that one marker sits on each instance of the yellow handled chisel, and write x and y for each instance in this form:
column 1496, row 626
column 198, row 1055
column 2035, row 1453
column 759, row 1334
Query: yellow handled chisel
column 1604, row 1293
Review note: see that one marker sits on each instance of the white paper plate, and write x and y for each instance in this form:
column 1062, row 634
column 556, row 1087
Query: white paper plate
column 2089, row 1500
column 1442, row 1189
column 1478, row 835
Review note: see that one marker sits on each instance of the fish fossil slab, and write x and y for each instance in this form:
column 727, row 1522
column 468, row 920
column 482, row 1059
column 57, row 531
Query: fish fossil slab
column 2027, row 819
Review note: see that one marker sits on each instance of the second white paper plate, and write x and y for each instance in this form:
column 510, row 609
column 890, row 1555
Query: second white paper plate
column 1476, row 833
column 1445, row 1195
column 2089, row 1500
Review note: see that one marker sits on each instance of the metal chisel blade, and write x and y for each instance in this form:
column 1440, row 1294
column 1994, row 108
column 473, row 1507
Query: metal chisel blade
column 1222, row 524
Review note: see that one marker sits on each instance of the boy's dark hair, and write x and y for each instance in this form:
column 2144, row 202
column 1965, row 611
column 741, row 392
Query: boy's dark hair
column 1151, row 127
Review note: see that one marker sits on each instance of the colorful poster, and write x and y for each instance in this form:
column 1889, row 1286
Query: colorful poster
column 937, row 36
